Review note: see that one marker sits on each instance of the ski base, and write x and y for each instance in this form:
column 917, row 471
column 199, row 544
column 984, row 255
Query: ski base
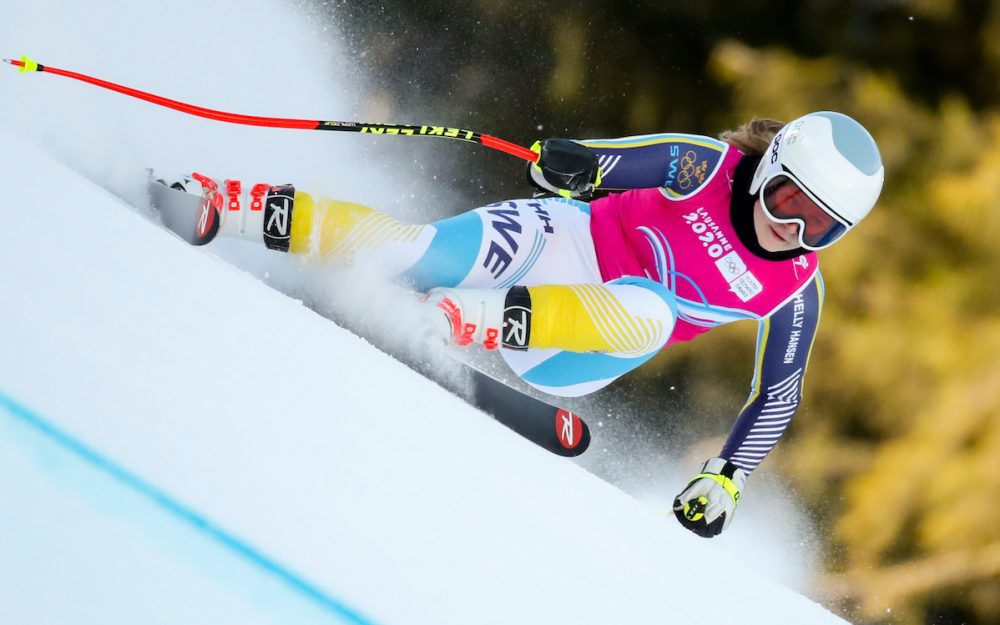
column 556, row 429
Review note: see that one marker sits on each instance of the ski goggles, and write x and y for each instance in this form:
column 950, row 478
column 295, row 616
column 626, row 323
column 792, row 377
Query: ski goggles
column 785, row 200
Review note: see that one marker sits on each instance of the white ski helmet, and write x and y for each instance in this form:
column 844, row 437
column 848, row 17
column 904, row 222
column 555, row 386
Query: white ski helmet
column 824, row 172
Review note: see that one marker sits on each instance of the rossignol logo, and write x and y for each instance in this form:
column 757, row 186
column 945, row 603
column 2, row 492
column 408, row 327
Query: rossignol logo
column 517, row 318
column 209, row 211
column 569, row 428
column 516, row 327
column 278, row 217
column 206, row 219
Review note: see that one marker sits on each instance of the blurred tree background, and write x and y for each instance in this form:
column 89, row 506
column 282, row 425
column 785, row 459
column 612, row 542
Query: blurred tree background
column 897, row 447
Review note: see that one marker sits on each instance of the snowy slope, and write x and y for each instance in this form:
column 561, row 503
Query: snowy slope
column 181, row 444
column 344, row 485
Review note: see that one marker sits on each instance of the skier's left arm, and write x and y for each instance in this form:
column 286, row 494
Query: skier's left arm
column 784, row 340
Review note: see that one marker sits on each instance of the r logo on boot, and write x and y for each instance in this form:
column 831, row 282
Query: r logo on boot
column 278, row 217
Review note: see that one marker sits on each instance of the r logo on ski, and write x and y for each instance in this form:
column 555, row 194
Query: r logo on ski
column 569, row 431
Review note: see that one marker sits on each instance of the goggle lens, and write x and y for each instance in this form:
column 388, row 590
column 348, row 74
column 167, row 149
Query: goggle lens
column 784, row 201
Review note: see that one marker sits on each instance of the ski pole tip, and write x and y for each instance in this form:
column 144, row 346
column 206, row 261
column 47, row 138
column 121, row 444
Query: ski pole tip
column 24, row 65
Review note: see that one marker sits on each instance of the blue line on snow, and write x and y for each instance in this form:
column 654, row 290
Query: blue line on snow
column 189, row 516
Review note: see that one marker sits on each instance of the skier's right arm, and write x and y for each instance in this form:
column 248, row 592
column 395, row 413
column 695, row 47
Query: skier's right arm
column 576, row 168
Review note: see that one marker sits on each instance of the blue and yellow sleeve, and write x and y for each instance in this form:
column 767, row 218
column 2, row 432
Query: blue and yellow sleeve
column 679, row 163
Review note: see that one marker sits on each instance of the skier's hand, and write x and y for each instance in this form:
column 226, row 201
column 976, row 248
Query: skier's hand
column 707, row 505
column 565, row 168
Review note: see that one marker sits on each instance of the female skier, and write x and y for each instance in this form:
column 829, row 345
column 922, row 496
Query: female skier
column 697, row 233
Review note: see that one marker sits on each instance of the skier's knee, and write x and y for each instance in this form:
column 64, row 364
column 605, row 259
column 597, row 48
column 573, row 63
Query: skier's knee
column 651, row 310
column 626, row 317
column 664, row 300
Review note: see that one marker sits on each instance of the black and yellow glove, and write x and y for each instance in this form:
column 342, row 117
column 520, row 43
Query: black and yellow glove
column 707, row 505
column 565, row 168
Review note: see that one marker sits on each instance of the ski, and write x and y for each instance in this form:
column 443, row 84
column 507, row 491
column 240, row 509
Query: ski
column 552, row 428
column 556, row 429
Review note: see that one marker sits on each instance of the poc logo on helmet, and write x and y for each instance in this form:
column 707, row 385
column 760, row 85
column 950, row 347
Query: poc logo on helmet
column 775, row 144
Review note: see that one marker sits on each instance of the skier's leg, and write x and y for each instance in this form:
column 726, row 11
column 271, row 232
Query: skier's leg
column 356, row 234
column 561, row 329
column 564, row 339
column 564, row 330
column 598, row 338
column 497, row 246
column 288, row 220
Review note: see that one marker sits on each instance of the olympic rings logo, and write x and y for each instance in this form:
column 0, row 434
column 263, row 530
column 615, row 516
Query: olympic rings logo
column 691, row 172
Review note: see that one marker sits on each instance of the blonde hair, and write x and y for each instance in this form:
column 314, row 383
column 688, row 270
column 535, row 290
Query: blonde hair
column 753, row 137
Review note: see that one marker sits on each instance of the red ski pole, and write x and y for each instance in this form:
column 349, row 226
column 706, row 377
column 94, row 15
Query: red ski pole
column 27, row 65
